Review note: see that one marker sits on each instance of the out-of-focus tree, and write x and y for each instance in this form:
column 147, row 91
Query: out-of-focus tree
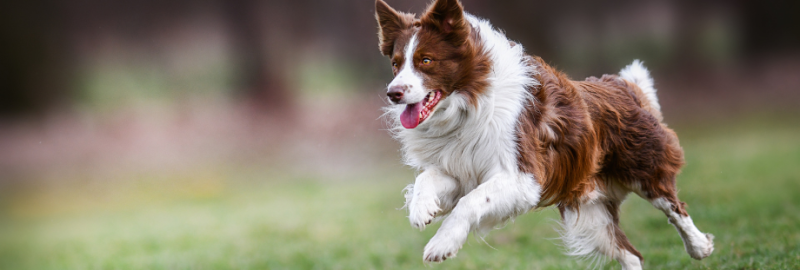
column 256, row 75
column 34, row 68
column 771, row 26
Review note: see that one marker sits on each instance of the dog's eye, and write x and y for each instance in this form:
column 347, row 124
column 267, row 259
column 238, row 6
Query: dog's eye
column 426, row 61
column 394, row 64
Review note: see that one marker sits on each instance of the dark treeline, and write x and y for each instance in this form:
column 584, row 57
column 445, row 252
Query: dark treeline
column 43, row 41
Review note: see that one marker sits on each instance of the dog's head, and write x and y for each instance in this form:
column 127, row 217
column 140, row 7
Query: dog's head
column 433, row 58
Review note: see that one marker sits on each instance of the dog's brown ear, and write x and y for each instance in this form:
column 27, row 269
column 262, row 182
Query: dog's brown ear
column 447, row 16
column 390, row 24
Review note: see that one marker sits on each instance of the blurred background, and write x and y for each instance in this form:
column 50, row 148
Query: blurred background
column 123, row 122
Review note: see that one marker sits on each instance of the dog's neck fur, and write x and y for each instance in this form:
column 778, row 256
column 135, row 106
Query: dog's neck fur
column 471, row 142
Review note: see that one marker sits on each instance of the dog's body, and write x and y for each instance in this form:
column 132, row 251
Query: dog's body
column 497, row 133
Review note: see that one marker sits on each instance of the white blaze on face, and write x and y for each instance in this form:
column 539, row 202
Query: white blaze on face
column 409, row 77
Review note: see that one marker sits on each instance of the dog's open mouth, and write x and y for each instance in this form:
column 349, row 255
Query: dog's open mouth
column 418, row 112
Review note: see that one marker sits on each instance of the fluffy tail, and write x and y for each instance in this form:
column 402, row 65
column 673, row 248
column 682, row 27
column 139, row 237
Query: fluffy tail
column 638, row 74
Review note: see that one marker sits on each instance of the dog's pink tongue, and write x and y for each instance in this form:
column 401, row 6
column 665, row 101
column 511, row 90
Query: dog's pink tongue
column 410, row 117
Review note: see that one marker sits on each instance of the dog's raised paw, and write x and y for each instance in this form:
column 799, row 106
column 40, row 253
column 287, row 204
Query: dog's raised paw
column 706, row 249
column 443, row 246
column 703, row 248
column 421, row 212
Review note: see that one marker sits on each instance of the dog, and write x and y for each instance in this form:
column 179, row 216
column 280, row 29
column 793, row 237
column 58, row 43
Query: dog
column 496, row 133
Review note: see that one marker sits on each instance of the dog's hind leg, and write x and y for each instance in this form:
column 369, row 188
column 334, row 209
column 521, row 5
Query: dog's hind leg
column 592, row 231
column 698, row 244
column 652, row 176
column 661, row 192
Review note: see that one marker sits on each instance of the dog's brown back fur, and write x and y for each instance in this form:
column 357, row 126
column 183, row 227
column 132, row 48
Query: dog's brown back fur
column 579, row 135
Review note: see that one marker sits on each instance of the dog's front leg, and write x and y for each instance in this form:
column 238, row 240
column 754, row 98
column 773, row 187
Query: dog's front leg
column 433, row 193
column 503, row 196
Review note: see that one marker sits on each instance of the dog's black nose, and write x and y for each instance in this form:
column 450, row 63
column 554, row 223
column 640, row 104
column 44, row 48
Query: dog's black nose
column 396, row 93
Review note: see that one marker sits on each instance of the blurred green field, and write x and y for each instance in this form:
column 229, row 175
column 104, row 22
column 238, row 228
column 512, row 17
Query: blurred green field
column 741, row 182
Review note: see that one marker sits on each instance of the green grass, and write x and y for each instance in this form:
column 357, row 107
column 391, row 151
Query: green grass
column 741, row 183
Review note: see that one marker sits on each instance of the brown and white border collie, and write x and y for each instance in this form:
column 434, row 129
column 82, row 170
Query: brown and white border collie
column 496, row 133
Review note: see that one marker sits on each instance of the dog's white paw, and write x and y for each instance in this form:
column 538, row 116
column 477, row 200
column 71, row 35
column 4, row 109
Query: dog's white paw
column 421, row 211
column 445, row 244
column 701, row 248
